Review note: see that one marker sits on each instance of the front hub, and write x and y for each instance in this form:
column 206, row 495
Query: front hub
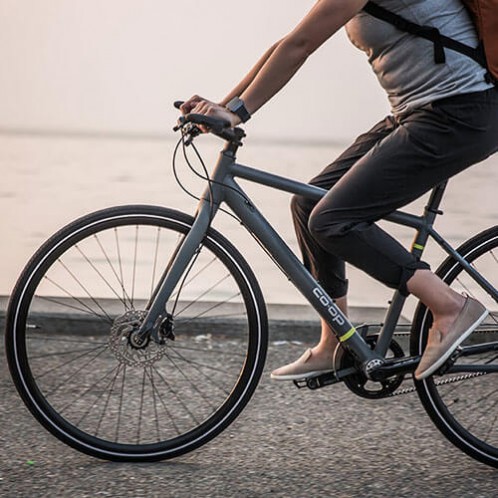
column 126, row 345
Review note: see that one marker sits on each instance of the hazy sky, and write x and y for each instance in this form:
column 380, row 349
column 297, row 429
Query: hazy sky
column 116, row 65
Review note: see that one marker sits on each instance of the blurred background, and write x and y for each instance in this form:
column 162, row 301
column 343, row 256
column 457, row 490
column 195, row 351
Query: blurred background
column 86, row 117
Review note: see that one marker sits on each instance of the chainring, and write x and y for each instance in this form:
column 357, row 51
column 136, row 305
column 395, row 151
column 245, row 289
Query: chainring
column 359, row 384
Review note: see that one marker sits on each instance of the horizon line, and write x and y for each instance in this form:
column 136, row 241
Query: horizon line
column 155, row 136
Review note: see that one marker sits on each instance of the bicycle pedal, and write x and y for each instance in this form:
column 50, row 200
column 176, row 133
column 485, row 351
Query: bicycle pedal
column 450, row 361
column 317, row 382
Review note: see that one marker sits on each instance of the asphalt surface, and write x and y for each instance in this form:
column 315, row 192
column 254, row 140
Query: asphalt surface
column 287, row 442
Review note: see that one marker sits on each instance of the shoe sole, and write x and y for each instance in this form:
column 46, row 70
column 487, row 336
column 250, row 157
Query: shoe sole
column 303, row 376
column 439, row 363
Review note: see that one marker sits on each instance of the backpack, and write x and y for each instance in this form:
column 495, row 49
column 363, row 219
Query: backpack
column 484, row 13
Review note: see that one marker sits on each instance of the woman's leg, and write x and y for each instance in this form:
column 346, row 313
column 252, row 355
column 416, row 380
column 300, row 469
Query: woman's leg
column 427, row 147
column 328, row 269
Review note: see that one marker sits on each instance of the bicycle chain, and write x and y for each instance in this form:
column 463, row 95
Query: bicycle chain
column 458, row 378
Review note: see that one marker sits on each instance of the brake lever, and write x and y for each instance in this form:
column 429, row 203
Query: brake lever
column 188, row 129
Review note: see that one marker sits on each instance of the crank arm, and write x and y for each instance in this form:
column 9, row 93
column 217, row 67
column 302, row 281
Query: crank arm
column 326, row 379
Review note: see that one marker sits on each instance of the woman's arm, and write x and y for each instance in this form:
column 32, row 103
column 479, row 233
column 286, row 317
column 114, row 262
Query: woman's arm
column 239, row 89
column 324, row 19
column 249, row 78
column 282, row 61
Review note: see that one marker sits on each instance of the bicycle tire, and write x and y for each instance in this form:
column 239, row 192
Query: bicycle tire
column 176, row 397
column 465, row 407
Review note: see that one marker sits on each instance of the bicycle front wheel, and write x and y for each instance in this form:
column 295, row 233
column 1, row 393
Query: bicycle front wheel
column 68, row 336
column 464, row 406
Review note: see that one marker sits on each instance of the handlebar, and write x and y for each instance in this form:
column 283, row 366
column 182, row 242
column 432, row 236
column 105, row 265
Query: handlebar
column 217, row 126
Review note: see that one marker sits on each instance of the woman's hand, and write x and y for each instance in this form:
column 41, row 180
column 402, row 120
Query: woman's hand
column 199, row 105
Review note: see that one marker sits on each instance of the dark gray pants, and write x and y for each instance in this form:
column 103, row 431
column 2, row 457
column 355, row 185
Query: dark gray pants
column 388, row 167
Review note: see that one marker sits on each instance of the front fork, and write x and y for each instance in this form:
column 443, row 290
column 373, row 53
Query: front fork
column 182, row 258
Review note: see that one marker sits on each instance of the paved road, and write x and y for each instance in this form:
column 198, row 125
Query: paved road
column 287, row 443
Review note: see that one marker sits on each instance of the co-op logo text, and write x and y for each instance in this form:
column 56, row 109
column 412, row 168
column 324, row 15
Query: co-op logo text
column 331, row 308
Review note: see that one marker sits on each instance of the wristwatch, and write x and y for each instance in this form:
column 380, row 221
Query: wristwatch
column 237, row 106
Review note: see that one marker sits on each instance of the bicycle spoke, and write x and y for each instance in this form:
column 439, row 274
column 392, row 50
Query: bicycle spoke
column 99, row 273
column 93, row 386
column 202, row 295
column 175, row 394
column 215, row 351
column 211, row 318
column 196, row 274
column 118, row 423
column 207, row 377
column 60, row 353
column 53, row 369
column 165, row 407
column 494, row 256
column 139, row 421
column 192, row 384
column 213, row 307
column 491, row 427
column 156, row 414
column 85, row 290
column 86, row 310
column 180, row 288
column 62, row 339
column 120, row 280
column 154, row 267
column 480, row 414
column 197, row 364
column 134, row 269
column 104, row 410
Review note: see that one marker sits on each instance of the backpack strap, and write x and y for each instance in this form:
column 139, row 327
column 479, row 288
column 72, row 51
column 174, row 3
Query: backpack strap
column 429, row 33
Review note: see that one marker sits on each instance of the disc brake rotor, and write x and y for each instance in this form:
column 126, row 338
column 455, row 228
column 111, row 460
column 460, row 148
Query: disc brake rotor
column 121, row 344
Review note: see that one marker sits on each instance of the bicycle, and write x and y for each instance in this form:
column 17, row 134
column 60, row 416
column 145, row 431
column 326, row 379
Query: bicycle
column 139, row 333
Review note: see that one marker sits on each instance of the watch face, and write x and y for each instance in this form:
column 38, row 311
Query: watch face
column 235, row 104
column 238, row 107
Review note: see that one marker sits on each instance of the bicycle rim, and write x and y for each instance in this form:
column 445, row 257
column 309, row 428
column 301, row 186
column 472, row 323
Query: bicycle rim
column 464, row 406
column 68, row 339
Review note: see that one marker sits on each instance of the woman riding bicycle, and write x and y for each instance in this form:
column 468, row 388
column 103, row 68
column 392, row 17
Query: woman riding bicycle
column 444, row 119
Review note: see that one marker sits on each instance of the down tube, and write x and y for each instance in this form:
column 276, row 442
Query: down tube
column 297, row 273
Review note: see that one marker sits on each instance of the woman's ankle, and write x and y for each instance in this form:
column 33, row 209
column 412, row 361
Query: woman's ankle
column 446, row 317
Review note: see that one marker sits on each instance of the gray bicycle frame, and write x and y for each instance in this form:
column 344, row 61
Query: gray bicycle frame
column 223, row 188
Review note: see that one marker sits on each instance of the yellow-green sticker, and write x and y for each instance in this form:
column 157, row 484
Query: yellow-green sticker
column 347, row 335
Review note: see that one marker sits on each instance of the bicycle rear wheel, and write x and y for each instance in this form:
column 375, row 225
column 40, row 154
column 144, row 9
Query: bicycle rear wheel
column 464, row 406
column 68, row 336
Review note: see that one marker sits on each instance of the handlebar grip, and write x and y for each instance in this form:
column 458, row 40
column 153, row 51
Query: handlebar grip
column 216, row 124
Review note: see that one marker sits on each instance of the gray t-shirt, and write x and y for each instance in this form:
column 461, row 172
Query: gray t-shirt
column 404, row 64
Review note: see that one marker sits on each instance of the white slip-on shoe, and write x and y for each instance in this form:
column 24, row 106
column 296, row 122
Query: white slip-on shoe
column 305, row 367
column 439, row 348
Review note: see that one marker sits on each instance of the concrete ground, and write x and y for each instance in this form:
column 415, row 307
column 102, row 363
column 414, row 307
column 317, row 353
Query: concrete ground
column 287, row 443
